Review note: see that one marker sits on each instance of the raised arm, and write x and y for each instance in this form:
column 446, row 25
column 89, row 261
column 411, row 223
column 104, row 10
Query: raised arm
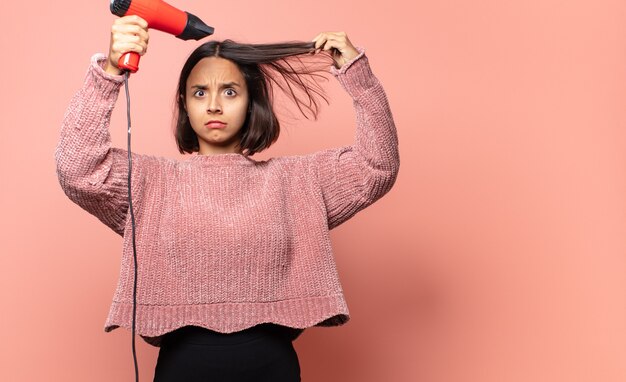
column 351, row 178
column 90, row 171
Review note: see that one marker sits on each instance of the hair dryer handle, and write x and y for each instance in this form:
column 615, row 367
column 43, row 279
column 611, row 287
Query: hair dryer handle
column 129, row 61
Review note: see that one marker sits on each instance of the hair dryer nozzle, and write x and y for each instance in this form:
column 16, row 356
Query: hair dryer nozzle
column 195, row 28
column 119, row 7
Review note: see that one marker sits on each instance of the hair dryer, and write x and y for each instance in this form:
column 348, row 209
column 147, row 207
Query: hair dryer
column 161, row 16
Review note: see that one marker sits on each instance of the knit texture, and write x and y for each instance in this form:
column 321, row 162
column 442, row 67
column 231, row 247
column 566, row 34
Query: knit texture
column 224, row 241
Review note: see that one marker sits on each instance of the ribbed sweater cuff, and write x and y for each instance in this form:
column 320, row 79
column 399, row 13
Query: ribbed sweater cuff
column 356, row 75
column 107, row 84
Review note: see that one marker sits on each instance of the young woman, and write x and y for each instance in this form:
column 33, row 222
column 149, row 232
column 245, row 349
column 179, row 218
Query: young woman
column 234, row 255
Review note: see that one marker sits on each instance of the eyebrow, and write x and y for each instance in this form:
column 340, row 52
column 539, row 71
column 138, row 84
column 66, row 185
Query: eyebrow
column 222, row 86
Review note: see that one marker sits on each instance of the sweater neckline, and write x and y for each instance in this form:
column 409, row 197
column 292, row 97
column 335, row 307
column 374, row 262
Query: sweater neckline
column 229, row 158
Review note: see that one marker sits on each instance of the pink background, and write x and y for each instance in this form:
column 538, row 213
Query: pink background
column 500, row 255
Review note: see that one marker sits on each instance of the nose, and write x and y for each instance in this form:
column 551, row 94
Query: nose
column 214, row 106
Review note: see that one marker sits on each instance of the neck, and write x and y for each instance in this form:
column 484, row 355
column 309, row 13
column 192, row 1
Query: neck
column 218, row 150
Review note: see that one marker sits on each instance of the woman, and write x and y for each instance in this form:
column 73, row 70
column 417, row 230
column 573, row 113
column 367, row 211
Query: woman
column 234, row 255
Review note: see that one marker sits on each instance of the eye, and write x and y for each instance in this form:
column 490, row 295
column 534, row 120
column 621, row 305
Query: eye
column 199, row 93
column 230, row 92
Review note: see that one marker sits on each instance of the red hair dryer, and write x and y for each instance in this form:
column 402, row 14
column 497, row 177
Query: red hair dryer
column 163, row 17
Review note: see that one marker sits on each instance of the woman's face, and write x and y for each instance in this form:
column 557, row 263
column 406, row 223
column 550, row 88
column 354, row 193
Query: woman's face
column 216, row 102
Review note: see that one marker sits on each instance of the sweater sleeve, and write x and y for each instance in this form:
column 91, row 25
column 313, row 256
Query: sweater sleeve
column 92, row 173
column 351, row 178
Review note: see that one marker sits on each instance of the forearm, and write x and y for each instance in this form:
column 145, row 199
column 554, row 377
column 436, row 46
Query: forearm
column 85, row 140
column 376, row 141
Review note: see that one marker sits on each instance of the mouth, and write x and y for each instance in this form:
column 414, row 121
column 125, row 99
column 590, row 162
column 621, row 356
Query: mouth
column 215, row 124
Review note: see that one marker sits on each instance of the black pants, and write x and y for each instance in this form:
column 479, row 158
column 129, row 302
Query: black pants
column 263, row 353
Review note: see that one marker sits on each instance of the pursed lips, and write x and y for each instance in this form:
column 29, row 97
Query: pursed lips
column 215, row 124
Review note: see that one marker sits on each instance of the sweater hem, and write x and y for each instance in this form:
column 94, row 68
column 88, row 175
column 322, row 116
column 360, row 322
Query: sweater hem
column 153, row 321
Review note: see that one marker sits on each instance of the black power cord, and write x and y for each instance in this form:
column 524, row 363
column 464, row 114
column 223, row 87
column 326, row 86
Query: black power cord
column 132, row 220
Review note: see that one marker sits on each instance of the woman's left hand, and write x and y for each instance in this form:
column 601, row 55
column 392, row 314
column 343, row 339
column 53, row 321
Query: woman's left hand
column 340, row 46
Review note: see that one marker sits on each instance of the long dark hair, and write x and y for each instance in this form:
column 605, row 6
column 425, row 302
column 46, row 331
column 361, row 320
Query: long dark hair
column 288, row 66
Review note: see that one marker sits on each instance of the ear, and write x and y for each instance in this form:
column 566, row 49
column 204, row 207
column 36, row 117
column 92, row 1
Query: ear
column 182, row 100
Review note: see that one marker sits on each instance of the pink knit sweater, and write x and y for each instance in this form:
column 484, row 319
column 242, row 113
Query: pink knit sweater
column 223, row 241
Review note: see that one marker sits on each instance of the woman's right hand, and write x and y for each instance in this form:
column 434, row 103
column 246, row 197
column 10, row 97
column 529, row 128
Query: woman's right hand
column 128, row 34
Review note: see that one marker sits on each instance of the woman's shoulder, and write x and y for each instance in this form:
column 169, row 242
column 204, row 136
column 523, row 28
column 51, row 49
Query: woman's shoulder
column 151, row 162
column 296, row 161
column 305, row 163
